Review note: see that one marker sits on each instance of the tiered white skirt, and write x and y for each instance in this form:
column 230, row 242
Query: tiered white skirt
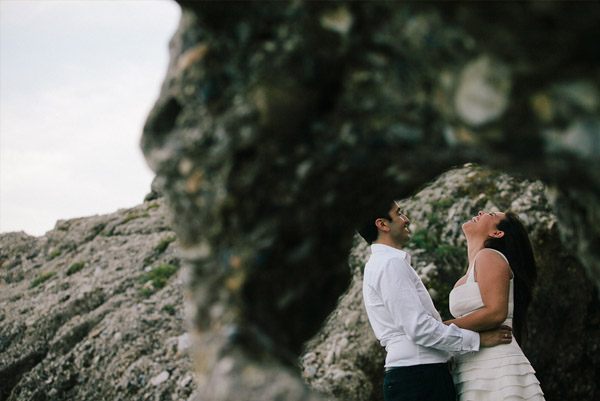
column 501, row 373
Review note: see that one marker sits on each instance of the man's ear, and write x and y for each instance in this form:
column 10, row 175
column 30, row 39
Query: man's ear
column 497, row 234
column 382, row 225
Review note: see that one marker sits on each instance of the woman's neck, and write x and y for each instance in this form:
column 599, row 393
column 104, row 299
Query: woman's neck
column 474, row 245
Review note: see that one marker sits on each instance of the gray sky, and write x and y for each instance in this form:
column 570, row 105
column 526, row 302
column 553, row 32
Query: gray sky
column 77, row 79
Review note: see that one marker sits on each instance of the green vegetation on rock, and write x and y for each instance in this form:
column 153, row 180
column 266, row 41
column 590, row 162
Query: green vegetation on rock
column 153, row 206
column 54, row 254
column 75, row 267
column 41, row 278
column 134, row 215
column 163, row 245
column 169, row 309
column 156, row 278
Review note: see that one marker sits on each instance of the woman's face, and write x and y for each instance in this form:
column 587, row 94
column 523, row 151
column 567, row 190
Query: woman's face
column 484, row 224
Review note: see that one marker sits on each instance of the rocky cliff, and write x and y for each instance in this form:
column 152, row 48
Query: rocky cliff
column 345, row 360
column 280, row 123
column 93, row 311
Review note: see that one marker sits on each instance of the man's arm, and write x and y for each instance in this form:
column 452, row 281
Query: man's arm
column 401, row 298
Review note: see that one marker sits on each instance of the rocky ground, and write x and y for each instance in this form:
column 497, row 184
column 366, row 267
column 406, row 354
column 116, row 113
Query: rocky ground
column 345, row 360
column 92, row 311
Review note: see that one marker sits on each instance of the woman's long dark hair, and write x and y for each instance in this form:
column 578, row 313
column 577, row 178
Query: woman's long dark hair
column 515, row 245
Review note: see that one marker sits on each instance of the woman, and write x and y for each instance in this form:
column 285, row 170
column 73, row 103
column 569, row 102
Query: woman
column 496, row 290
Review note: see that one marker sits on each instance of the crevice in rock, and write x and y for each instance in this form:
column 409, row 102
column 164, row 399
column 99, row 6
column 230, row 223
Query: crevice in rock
column 162, row 118
column 12, row 373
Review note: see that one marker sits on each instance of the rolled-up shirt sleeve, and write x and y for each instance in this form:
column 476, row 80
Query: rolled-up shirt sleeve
column 401, row 298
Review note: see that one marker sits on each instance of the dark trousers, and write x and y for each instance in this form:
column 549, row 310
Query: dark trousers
column 419, row 383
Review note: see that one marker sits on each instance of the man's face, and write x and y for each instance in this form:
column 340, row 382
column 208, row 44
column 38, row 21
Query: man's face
column 399, row 225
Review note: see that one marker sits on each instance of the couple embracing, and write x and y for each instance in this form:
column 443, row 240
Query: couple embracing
column 489, row 304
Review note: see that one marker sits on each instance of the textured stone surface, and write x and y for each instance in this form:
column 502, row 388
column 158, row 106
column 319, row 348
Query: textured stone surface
column 346, row 360
column 80, row 319
column 279, row 123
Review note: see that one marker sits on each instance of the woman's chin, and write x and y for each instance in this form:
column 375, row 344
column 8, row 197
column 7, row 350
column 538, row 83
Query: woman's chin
column 466, row 226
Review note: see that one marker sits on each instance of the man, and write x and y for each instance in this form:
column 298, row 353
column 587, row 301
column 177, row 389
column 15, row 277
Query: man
column 405, row 321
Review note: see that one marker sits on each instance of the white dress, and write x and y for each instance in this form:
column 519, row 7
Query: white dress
column 500, row 373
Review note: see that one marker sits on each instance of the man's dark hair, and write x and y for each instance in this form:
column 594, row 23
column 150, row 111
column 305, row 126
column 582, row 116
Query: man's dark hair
column 367, row 228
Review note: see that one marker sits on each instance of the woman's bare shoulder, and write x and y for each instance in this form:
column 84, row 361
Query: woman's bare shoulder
column 491, row 263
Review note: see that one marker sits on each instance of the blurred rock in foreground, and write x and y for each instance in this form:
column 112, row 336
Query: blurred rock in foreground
column 280, row 123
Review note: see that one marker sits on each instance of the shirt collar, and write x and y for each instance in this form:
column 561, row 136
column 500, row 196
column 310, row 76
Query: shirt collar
column 381, row 248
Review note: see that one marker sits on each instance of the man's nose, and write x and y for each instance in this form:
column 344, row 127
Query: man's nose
column 480, row 213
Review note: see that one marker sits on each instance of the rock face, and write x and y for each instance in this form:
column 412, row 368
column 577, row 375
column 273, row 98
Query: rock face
column 85, row 315
column 93, row 311
column 279, row 124
column 345, row 360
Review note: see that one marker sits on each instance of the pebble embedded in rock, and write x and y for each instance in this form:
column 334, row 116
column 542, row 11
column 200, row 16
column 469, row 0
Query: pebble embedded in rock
column 160, row 378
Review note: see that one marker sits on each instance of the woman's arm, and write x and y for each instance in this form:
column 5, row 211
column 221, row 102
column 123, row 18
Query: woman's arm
column 493, row 275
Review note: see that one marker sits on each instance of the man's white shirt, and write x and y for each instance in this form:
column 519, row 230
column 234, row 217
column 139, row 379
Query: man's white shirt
column 403, row 316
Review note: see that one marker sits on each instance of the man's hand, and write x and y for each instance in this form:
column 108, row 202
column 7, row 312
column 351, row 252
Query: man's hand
column 501, row 335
